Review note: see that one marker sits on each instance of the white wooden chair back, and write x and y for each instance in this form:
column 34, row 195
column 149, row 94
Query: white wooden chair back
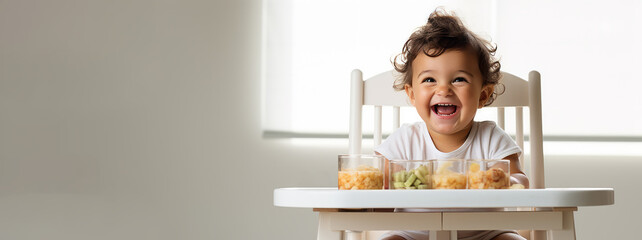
column 377, row 91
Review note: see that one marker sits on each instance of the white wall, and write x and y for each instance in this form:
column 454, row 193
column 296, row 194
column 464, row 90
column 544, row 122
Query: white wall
column 141, row 120
column 130, row 120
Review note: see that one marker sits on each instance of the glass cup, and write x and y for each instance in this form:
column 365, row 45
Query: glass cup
column 360, row 171
column 488, row 174
column 449, row 174
column 410, row 174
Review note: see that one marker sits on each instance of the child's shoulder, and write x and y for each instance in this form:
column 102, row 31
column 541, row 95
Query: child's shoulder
column 411, row 129
column 489, row 128
column 486, row 124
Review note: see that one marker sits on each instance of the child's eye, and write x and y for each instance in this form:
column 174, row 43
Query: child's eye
column 460, row 79
column 428, row 80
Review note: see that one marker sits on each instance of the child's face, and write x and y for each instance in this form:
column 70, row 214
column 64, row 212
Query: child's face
column 447, row 91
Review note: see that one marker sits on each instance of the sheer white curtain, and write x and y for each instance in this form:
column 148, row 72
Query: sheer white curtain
column 587, row 52
column 312, row 46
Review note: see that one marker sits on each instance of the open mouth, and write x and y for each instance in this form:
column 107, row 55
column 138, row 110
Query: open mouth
column 444, row 109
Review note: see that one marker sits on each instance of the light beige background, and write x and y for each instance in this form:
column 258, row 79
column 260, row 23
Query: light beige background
column 141, row 120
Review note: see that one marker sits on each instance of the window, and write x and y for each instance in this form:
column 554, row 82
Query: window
column 586, row 52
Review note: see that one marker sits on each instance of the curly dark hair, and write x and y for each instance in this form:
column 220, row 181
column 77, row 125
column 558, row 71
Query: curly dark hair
column 442, row 32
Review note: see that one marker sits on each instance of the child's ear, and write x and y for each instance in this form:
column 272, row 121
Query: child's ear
column 486, row 92
column 410, row 93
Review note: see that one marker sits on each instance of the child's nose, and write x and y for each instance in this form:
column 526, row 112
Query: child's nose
column 444, row 90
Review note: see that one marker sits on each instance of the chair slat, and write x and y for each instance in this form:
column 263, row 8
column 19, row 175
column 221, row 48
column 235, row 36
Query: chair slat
column 535, row 137
column 519, row 132
column 356, row 106
column 396, row 117
column 376, row 135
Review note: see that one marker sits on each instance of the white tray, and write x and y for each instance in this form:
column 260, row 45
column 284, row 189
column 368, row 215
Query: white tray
column 486, row 198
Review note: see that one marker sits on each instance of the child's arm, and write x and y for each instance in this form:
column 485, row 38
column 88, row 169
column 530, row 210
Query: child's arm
column 516, row 174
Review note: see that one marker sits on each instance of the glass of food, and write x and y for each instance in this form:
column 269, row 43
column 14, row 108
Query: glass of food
column 488, row 174
column 410, row 174
column 360, row 171
column 449, row 174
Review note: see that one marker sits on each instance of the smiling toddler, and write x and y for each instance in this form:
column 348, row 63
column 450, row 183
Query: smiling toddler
column 448, row 72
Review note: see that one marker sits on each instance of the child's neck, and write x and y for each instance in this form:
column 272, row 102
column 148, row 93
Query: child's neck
column 450, row 142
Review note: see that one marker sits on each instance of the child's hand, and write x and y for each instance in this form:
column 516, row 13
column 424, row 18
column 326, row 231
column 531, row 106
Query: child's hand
column 514, row 183
column 516, row 186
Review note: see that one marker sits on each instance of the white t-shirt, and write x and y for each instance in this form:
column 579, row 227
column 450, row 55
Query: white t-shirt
column 413, row 142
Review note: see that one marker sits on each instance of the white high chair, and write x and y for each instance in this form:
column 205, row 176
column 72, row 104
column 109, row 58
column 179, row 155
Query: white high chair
column 346, row 213
column 377, row 91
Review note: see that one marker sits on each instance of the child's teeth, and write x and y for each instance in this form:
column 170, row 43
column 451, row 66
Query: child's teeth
column 445, row 109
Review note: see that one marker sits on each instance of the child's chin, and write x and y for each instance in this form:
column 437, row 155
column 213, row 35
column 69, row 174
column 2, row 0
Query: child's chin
column 443, row 128
column 446, row 127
